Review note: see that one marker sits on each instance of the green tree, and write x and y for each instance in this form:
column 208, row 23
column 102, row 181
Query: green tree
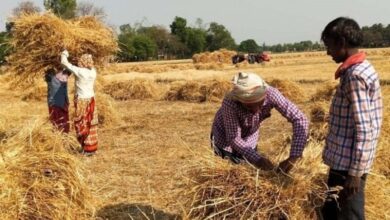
column 219, row 37
column 5, row 48
column 161, row 37
column 196, row 41
column 193, row 38
column 126, row 49
column 249, row 46
column 65, row 9
column 144, row 47
column 176, row 49
column 179, row 28
column 135, row 44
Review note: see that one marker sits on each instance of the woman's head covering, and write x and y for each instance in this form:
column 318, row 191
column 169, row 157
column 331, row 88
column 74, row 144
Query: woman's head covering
column 86, row 61
column 248, row 88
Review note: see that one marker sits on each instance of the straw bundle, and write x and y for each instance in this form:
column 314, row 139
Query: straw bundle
column 319, row 114
column 37, row 41
column 289, row 89
column 220, row 190
column 216, row 189
column 107, row 113
column 39, row 178
column 209, row 66
column 222, row 56
column 133, row 89
column 319, row 111
column 35, row 93
column 194, row 91
column 325, row 92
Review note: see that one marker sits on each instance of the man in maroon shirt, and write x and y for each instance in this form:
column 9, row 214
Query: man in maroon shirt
column 235, row 130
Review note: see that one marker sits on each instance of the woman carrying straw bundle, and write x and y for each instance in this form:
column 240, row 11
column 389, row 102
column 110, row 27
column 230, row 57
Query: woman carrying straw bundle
column 235, row 130
column 86, row 119
column 57, row 97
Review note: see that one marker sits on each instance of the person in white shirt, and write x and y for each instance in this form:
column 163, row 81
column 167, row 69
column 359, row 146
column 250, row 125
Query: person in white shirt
column 85, row 119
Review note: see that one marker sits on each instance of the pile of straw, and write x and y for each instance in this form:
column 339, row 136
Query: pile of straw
column 223, row 56
column 150, row 67
column 325, row 92
column 38, row 40
column 34, row 93
column 289, row 89
column 133, row 89
column 194, row 91
column 219, row 190
column 319, row 114
column 209, row 66
column 40, row 178
column 106, row 108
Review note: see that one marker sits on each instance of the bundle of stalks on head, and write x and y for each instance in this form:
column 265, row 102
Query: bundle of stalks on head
column 289, row 89
column 217, row 189
column 37, row 41
column 40, row 178
column 325, row 92
column 195, row 91
column 133, row 89
column 34, row 93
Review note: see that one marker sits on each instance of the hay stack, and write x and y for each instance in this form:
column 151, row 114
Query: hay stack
column 37, row 41
column 194, row 91
column 222, row 56
column 107, row 113
column 220, row 190
column 319, row 114
column 325, row 92
column 35, row 93
column 133, row 89
column 289, row 89
column 40, row 178
column 216, row 189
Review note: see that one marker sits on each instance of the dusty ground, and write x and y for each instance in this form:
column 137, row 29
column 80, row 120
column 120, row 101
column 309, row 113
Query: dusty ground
column 139, row 168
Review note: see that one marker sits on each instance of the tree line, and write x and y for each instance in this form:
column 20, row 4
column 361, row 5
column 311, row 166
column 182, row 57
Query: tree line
column 181, row 40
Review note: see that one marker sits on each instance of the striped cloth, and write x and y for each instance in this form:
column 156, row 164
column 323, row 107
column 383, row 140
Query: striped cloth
column 86, row 121
column 237, row 129
column 355, row 121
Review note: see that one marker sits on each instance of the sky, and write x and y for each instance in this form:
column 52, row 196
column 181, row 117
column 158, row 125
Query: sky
column 270, row 22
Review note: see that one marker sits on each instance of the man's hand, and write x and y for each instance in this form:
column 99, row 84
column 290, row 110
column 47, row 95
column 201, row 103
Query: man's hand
column 351, row 186
column 265, row 164
column 286, row 165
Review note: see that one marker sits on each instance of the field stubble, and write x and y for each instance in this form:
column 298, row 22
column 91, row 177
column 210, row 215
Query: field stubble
column 155, row 162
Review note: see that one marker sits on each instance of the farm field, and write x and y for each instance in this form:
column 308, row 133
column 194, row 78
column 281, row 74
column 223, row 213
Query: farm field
column 156, row 134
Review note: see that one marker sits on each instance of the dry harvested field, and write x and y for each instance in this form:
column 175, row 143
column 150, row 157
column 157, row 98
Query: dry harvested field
column 154, row 159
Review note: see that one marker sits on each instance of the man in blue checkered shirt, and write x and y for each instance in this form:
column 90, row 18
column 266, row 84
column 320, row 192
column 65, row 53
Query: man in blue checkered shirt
column 355, row 120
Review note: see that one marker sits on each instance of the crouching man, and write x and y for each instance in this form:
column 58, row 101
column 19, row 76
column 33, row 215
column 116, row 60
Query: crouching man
column 235, row 130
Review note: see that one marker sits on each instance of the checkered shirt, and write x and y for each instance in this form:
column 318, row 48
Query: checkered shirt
column 355, row 121
column 237, row 128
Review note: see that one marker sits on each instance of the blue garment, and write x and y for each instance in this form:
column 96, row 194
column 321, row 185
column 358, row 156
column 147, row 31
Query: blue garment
column 57, row 90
